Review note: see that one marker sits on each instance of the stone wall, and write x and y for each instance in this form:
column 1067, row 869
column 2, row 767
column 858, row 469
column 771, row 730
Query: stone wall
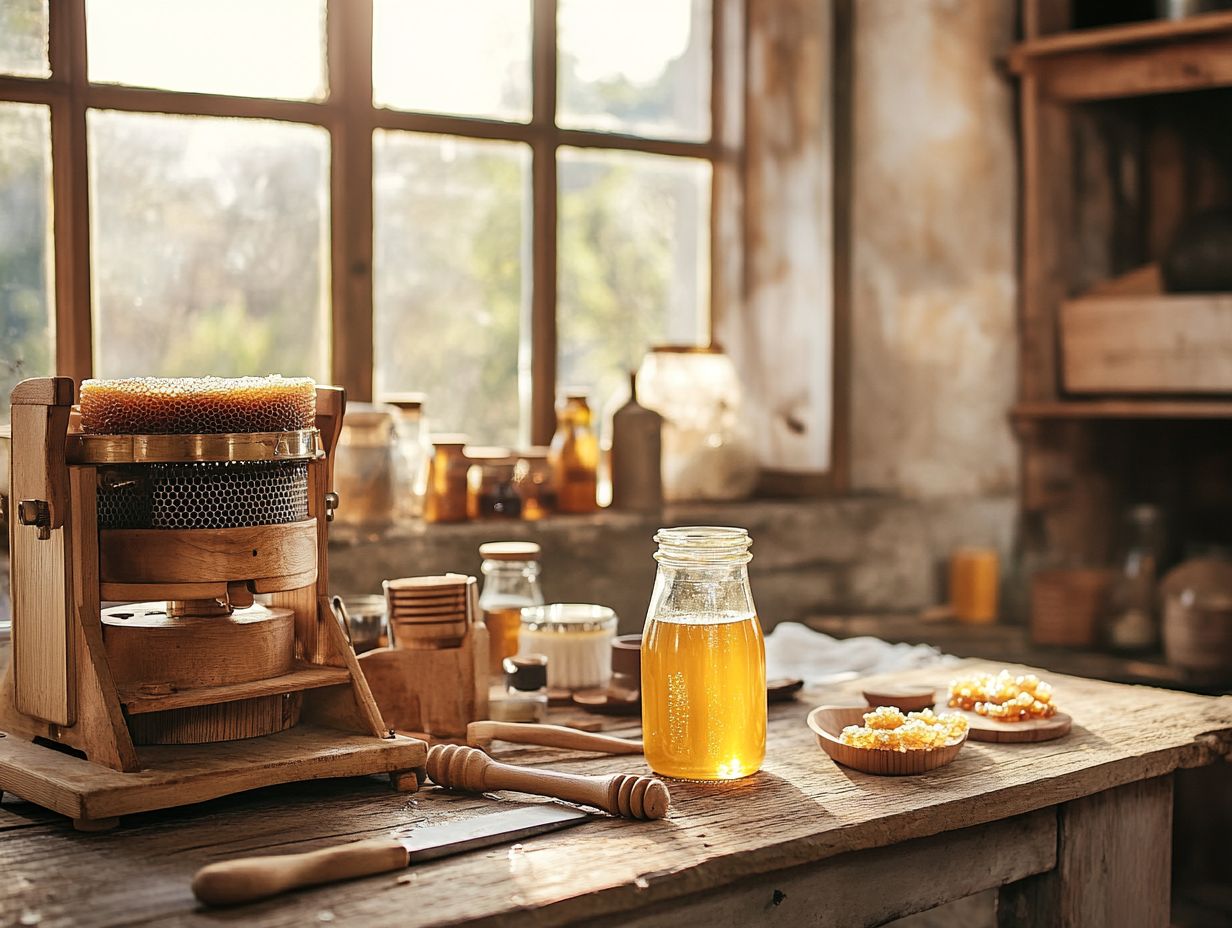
column 933, row 248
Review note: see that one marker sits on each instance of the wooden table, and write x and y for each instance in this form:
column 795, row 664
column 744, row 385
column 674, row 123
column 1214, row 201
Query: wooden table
column 1075, row 832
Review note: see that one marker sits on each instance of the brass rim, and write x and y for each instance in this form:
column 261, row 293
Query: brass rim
column 301, row 445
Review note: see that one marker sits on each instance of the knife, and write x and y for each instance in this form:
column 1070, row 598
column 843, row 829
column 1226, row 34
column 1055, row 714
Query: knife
column 248, row 879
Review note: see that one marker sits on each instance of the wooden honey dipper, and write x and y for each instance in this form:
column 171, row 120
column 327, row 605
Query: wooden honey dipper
column 455, row 766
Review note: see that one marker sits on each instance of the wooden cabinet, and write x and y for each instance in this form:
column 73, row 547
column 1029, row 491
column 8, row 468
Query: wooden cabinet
column 1125, row 134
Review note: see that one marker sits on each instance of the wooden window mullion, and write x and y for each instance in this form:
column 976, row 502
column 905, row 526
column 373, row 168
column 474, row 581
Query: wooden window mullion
column 70, row 191
column 349, row 46
column 543, row 233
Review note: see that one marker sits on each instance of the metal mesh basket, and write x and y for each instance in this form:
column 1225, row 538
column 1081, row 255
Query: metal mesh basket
column 203, row 495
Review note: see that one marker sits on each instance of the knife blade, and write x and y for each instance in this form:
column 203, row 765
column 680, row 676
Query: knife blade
column 248, row 879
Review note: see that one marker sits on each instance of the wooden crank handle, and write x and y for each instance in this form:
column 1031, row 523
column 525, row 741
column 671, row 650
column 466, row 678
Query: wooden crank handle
column 248, row 879
column 481, row 734
column 456, row 766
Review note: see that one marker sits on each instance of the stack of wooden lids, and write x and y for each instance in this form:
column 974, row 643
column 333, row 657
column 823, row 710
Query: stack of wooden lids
column 429, row 613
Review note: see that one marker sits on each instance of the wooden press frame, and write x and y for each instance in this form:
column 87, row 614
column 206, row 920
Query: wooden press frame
column 58, row 686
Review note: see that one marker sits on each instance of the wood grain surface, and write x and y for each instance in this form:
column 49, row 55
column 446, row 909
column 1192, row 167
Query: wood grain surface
column 800, row 809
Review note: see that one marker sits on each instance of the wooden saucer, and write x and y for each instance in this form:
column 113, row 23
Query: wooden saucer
column 904, row 698
column 606, row 702
column 984, row 729
column 828, row 722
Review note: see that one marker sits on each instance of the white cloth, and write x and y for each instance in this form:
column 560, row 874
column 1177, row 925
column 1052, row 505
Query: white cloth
column 794, row 650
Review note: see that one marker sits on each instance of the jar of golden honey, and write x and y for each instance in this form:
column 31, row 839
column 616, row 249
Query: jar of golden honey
column 703, row 659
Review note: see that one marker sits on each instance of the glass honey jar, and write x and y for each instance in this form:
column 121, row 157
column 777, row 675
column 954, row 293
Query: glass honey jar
column 703, row 659
column 510, row 582
column 445, row 499
column 491, row 493
column 535, row 484
column 574, row 457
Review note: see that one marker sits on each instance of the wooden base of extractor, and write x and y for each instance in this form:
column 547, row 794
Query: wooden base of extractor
column 95, row 797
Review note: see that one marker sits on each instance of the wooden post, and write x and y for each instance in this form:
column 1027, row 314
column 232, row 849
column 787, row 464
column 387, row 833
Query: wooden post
column 1114, row 858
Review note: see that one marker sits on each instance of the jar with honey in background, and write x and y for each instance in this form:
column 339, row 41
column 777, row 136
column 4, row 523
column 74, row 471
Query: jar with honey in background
column 510, row 582
column 703, row 659
column 574, row 456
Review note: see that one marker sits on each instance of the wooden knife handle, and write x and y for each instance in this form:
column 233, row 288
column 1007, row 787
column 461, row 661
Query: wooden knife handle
column 480, row 734
column 248, row 879
column 455, row 766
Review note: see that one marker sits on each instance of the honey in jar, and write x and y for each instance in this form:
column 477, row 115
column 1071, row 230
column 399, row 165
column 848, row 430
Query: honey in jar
column 703, row 659
column 510, row 582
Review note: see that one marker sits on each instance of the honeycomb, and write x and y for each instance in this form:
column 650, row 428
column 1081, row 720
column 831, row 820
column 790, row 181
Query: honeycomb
column 197, row 405
column 887, row 729
column 204, row 495
column 1003, row 697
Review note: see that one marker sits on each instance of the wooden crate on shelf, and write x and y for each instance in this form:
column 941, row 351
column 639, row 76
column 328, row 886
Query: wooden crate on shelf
column 1128, row 337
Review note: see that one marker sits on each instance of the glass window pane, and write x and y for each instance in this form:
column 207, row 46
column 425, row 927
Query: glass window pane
column 464, row 57
column 633, row 258
column 635, row 66
column 210, row 245
column 25, row 246
column 273, row 48
column 23, row 37
column 452, row 278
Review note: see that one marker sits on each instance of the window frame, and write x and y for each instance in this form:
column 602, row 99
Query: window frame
column 348, row 113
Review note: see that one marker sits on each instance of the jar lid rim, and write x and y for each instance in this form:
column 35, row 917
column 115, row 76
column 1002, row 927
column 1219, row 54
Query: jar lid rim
column 577, row 616
column 510, row 550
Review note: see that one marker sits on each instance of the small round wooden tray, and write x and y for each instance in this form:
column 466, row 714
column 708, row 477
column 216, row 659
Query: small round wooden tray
column 828, row 722
column 983, row 729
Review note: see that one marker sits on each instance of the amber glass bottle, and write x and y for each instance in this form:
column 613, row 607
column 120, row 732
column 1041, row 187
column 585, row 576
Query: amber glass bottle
column 575, row 457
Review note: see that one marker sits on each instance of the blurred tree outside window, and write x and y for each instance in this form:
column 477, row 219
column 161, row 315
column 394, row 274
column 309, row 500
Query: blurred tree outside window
column 216, row 197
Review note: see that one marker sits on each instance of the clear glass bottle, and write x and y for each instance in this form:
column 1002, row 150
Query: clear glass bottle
column 365, row 466
column 575, row 457
column 414, row 454
column 510, row 581
column 1134, row 620
column 703, row 659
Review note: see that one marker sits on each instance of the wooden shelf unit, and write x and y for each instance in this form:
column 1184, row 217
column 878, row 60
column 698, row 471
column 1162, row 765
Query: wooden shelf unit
column 1122, row 409
column 1124, row 137
column 1164, row 56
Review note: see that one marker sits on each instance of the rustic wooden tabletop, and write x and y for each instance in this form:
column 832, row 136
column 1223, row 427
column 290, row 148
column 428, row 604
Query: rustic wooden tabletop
column 725, row 849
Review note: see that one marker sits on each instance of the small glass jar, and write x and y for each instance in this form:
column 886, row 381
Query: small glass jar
column 414, row 454
column 490, row 489
column 510, row 582
column 707, row 451
column 703, row 659
column 575, row 457
column 577, row 640
column 365, row 466
column 366, row 621
column 534, row 483
column 445, row 500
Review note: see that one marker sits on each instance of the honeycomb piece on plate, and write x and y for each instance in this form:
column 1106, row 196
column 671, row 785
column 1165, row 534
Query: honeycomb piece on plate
column 1003, row 696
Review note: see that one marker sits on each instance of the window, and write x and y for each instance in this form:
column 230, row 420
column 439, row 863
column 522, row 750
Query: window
column 475, row 199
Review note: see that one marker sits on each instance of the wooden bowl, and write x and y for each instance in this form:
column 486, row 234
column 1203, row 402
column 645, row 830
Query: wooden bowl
column 828, row 722
column 904, row 698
